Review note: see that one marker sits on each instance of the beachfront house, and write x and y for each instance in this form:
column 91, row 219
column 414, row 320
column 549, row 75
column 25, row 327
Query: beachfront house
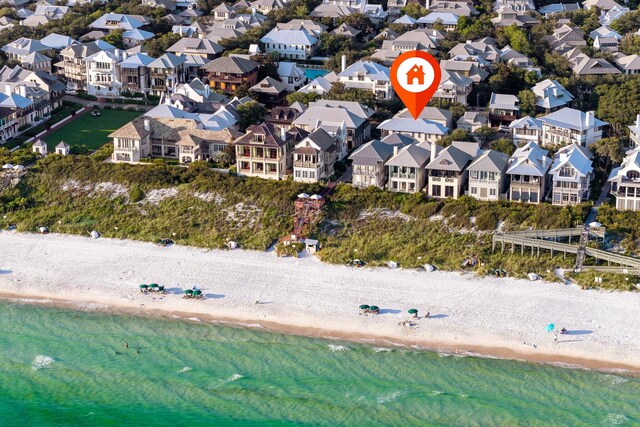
column 184, row 140
column 290, row 44
column 571, row 174
column 265, row 151
column 314, row 157
column 447, row 170
column 368, row 164
column 487, row 175
column 406, row 168
column 527, row 172
column 625, row 182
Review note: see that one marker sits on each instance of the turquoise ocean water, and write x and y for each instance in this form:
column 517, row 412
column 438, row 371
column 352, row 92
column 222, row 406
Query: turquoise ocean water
column 60, row 367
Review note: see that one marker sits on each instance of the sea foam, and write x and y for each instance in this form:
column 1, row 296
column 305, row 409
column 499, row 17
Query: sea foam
column 183, row 370
column 336, row 348
column 41, row 361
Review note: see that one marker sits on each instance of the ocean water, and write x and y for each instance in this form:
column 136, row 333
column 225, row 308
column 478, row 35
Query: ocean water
column 60, row 367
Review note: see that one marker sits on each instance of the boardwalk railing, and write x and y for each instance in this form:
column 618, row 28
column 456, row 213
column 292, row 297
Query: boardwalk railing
column 536, row 240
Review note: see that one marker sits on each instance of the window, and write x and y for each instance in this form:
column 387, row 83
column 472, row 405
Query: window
column 492, row 192
column 474, row 190
column 436, row 191
column 258, row 137
column 448, row 191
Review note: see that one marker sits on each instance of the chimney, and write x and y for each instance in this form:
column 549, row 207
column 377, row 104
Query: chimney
column 22, row 89
column 395, row 150
column 427, row 5
column 147, row 125
column 433, row 152
column 7, row 90
column 344, row 62
column 253, row 10
column 590, row 119
column 638, row 120
column 180, row 30
column 283, row 134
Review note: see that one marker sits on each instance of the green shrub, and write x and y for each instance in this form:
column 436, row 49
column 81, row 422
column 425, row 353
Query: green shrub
column 486, row 220
column 136, row 194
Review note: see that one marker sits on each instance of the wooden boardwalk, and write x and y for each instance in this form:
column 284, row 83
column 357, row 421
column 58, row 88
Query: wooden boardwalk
column 536, row 240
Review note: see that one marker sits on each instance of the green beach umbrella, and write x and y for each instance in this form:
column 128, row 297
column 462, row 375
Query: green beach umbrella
column 374, row 307
column 188, row 291
column 143, row 286
column 154, row 285
column 364, row 307
column 197, row 292
column 413, row 311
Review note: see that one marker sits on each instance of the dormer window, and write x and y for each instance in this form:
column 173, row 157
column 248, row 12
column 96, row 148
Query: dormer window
column 258, row 137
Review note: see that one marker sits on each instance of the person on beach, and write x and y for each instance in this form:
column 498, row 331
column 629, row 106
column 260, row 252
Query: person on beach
column 426, row 316
column 126, row 344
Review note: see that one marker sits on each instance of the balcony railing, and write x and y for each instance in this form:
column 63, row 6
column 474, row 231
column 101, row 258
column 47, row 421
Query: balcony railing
column 403, row 175
column 300, row 164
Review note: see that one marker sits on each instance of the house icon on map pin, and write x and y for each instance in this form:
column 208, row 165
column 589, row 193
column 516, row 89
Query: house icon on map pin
column 415, row 72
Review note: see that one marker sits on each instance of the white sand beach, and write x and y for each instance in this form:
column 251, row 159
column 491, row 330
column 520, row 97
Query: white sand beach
column 490, row 316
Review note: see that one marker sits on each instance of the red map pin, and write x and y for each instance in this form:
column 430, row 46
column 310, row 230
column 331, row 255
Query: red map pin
column 415, row 76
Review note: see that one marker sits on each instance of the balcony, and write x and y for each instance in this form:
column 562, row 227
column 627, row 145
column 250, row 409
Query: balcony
column 403, row 175
column 531, row 182
column 301, row 164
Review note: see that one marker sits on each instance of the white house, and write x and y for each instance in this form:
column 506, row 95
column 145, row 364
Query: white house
column 368, row 75
column 571, row 174
column 291, row 75
column 102, row 73
column 551, row 96
column 526, row 129
column 625, row 182
column 290, row 44
column 527, row 171
column 422, row 130
column 568, row 125
column 487, row 175
column 314, row 157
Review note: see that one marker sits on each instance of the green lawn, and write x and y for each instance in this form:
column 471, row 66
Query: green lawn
column 89, row 130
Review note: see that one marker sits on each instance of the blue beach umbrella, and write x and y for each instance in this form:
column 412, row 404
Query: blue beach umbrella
column 550, row 327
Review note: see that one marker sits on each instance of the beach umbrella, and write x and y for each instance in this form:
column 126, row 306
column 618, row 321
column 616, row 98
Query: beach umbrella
column 374, row 308
column 550, row 327
column 154, row 285
column 303, row 196
column 188, row 291
column 19, row 168
column 7, row 166
column 364, row 307
column 413, row 311
column 143, row 286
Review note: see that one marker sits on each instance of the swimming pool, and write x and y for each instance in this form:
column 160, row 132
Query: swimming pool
column 313, row 73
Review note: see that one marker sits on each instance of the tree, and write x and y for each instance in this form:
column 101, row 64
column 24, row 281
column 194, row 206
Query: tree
column 251, row 113
column 457, row 110
column 158, row 46
column 340, row 93
column 414, row 10
column 359, row 21
column 456, row 135
column 331, row 44
column 527, row 102
column 627, row 23
column 507, row 79
column 302, row 97
column 557, row 64
column 504, row 145
column 610, row 150
column 619, row 103
column 475, row 28
column 114, row 38
column 517, row 39
column 630, row 44
column 484, row 133
column 268, row 65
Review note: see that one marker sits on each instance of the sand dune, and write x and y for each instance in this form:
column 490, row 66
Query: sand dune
column 501, row 317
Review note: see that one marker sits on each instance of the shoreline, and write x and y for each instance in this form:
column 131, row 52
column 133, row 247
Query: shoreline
column 472, row 350
column 482, row 316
